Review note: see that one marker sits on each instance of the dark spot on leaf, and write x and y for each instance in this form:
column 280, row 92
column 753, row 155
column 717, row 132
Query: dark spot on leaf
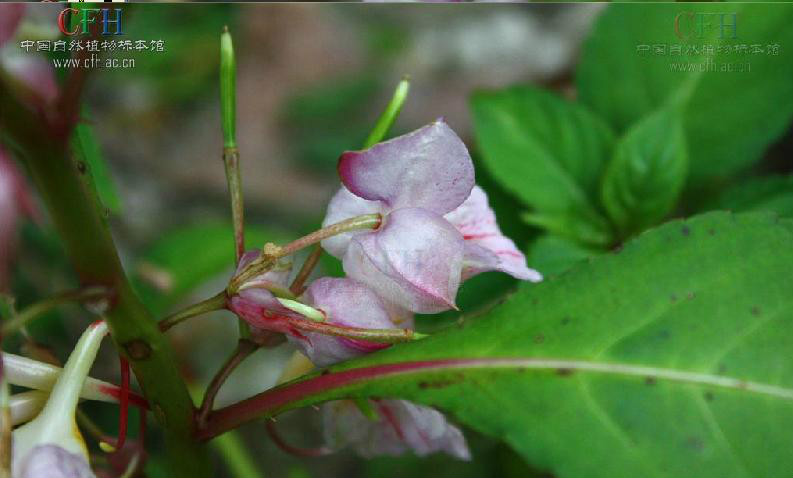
column 535, row 301
column 709, row 396
column 695, row 443
column 438, row 383
column 673, row 298
column 690, row 296
column 566, row 320
column 685, row 230
column 539, row 338
column 755, row 310
column 650, row 380
column 617, row 249
column 564, row 372
column 712, row 232
column 722, row 368
column 81, row 167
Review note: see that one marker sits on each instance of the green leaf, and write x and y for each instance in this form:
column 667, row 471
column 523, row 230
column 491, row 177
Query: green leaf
column 670, row 358
column 644, row 178
column 770, row 193
column 89, row 150
column 549, row 153
column 187, row 257
column 732, row 117
column 552, row 255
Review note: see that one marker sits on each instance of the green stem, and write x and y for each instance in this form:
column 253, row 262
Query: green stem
column 67, row 191
column 231, row 155
column 216, row 302
column 33, row 311
column 389, row 115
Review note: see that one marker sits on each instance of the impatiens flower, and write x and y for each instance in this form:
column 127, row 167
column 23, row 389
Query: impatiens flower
column 414, row 259
column 51, row 444
column 437, row 228
column 344, row 302
column 486, row 248
column 14, row 203
column 399, row 426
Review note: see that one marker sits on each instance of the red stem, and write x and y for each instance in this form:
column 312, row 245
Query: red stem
column 295, row 394
column 123, row 403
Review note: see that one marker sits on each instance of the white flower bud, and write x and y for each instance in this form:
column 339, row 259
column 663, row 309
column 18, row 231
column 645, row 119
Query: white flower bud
column 51, row 445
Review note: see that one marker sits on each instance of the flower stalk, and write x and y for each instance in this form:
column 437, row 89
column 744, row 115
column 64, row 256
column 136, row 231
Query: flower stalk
column 245, row 348
column 228, row 106
column 216, row 302
column 271, row 253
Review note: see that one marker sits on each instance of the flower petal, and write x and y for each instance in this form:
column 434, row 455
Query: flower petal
column 414, row 260
column 52, row 461
column 344, row 302
column 402, row 426
column 429, row 168
column 345, row 205
column 486, row 248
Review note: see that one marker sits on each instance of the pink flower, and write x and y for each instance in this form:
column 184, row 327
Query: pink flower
column 437, row 228
column 257, row 305
column 400, row 426
column 14, row 203
column 344, row 302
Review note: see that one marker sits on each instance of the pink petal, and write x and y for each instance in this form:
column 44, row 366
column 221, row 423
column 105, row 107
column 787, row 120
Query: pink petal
column 486, row 248
column 414, row 260
column 429, row 168
column 402, row 426
column 34, row 73
column 344, row 302
column 345, row 205
column 10, row 16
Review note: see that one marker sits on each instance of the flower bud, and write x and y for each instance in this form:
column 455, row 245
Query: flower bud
column 51, row 445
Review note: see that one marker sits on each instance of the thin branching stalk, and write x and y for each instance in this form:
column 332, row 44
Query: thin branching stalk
column 271, row 253
column 38, row 309
column 245, row 348
column 216, row 302
column 310, row 263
